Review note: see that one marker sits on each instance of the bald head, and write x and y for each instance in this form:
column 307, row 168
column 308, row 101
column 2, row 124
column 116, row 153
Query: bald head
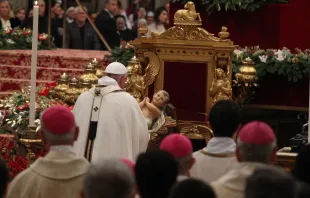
column 108, row 178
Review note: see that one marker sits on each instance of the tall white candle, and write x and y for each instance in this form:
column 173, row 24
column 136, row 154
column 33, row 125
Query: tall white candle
column 34, row 56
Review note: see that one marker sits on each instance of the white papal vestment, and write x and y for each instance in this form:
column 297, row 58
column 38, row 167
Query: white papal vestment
column 121, row 129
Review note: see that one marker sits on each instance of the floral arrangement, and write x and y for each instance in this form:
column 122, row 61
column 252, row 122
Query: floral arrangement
column 122, row 54
column 212, row 6
column 284, row 62
column 16, row 163
column 14, row 116
column 22, row 39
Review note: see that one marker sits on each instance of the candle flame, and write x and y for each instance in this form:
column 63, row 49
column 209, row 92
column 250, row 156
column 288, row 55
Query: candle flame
column 36, row 3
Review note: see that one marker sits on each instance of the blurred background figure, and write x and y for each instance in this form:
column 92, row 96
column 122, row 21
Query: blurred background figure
column 4, row 178
column 301, row 169
column 80, row 34
column 150, row 17
column 156, row 173
column 106, row 24
column 70, row 14
column 121, row 11
column 110, row 178
column 192, row 188
column 125, row 33
column 270, row 182
column 161, row 17
column 7, row 23
column 57, row 23
column 20, row 17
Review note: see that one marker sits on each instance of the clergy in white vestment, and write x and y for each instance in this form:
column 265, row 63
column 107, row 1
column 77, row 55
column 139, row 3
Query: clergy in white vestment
column 60, row 173
column 256, row 147
column 110, row 119
column 181, row 148
column 219, row 156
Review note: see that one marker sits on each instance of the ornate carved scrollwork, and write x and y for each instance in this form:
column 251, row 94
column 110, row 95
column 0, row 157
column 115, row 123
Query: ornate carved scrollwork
column 189, row 32
column 152, row 68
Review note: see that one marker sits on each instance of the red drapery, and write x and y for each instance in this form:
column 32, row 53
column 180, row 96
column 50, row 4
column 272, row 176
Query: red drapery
column 272, row 26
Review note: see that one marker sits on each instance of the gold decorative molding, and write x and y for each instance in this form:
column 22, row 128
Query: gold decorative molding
column 188, row 32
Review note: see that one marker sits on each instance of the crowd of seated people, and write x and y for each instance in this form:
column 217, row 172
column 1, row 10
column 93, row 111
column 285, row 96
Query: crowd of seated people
column 114, row 23
column 224, row 169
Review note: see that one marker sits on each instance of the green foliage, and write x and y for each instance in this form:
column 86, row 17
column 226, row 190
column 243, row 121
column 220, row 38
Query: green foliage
column 212, row 6
column 122, row 54
column 21, row 39
column 294, row 66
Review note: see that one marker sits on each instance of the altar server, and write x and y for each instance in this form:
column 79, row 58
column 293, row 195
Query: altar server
column 220, row 153
column 181, row 148
column 256, row 147
column 60, row 173
column 110, row 119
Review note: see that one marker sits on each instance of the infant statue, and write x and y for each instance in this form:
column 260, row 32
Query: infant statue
column 153, row 110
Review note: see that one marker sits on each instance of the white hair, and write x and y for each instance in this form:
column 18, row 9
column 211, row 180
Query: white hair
column 256, row 153
column 108, row 178
column 184, row 163
column 70, row 9
column 142, row 21
column 78, row 8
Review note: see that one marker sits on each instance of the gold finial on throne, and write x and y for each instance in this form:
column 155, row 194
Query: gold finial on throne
column 224, row 34
column 142, row 30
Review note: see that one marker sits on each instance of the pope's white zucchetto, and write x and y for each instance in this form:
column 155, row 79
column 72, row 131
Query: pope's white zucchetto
column 116, row 68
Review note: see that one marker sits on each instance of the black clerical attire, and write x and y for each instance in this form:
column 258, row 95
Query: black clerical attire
column 106, row 24
column 43, row 28
column 127, row 35
column 83, row 37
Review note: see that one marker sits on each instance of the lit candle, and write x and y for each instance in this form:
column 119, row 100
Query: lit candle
column 34, row 56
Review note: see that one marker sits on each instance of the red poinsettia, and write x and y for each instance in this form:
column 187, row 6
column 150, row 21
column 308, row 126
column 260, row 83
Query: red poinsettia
column 45, row 91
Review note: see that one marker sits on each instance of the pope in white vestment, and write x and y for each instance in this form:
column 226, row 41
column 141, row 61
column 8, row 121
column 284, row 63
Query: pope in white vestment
column 120, row 127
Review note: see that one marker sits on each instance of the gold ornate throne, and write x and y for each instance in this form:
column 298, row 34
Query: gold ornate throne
column 188, row 42
column 193, row 65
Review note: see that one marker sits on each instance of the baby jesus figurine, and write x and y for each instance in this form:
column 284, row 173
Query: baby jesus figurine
column 153, row 110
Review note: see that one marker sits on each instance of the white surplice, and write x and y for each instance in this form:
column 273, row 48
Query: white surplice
column 121, row 131
column 215, row 160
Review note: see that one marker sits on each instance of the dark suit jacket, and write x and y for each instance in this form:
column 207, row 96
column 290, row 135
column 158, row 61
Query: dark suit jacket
column 107, row 26
column 43, row 24
column 74, row 40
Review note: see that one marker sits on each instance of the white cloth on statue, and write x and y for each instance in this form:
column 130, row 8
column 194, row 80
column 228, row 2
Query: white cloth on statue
column 158, row 124
column 121, row 131
column 58, row 174
column 233, row 183
column 215, row 160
